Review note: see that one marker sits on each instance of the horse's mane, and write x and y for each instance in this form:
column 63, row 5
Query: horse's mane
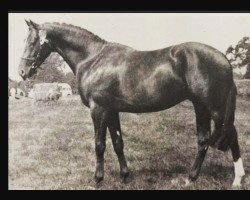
column 78, row 31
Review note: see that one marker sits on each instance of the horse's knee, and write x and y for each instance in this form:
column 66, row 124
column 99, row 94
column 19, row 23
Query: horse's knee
column 216, row 116
column 118, row 146
column 100, row 148
column 203, row 140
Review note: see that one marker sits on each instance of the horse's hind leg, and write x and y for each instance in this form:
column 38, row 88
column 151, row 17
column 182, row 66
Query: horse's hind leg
column 239, row 171
column 100, row 117
column 116, row 136
column 235, row 149
column 203, row 125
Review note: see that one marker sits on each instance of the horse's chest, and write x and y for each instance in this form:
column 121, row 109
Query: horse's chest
column 84, row 91
column 95, row 83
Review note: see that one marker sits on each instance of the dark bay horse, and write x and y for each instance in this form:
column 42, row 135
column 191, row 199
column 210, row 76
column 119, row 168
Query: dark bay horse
column 114, row 78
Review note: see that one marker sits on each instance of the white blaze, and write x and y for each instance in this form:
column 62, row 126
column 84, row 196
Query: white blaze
column 43, row 35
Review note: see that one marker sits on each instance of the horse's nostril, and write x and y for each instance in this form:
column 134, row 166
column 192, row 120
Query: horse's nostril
column 22, row 72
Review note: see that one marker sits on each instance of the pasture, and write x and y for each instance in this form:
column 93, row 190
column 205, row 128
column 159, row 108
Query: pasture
column 51, row 146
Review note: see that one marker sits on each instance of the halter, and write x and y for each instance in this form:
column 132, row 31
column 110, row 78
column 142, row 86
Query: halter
column 30, row 59
column 33, row 59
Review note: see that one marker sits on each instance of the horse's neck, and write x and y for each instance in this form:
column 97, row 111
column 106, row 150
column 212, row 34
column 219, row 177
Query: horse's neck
column 73, row 56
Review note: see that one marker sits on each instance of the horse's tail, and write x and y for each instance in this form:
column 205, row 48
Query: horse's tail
column 225, row 136
column 230, row 106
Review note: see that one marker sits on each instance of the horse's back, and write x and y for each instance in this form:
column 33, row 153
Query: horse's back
column 145, row 81
column 168, row 76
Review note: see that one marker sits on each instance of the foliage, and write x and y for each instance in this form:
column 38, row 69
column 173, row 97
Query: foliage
column 239, row 55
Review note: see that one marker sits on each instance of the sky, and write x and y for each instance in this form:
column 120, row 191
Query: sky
column 142, row 31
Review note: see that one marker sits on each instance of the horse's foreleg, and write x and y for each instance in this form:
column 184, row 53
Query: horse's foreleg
column 203, row 123
column 238, row 165
column 116, row 136
column 99, row 116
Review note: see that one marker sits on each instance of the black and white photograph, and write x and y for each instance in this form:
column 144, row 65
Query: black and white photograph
column 128, row 101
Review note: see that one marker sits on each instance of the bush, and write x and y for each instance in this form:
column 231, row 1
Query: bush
column 243, row 88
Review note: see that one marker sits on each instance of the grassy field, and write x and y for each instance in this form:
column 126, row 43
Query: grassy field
column 52, row 147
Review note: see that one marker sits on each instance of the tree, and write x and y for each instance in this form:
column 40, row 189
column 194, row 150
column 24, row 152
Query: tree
column 56, row 72
column 239, row 56
column 55, row 60
column 51, row 71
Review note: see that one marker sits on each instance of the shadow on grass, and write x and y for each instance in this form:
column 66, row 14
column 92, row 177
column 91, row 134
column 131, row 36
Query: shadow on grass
column 163, row 167
column 218, row 172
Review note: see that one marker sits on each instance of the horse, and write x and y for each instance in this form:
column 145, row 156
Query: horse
column 114, row 78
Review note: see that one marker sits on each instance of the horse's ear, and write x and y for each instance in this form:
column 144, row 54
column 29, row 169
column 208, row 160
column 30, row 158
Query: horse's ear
column 34, row 25
column 43, row 36
column 27, row 22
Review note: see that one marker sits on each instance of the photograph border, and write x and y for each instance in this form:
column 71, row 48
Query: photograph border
column 29, row 6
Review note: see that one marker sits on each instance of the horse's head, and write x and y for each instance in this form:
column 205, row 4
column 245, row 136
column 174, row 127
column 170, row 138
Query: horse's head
column 37, row 48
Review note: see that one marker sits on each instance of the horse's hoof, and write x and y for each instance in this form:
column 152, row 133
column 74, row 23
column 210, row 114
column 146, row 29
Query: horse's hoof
column 98, row 179
column 124, row 177
column 236, row 186
column 193, row 176
column 237, row 183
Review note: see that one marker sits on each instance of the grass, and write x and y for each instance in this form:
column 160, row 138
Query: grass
column 51, row 146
